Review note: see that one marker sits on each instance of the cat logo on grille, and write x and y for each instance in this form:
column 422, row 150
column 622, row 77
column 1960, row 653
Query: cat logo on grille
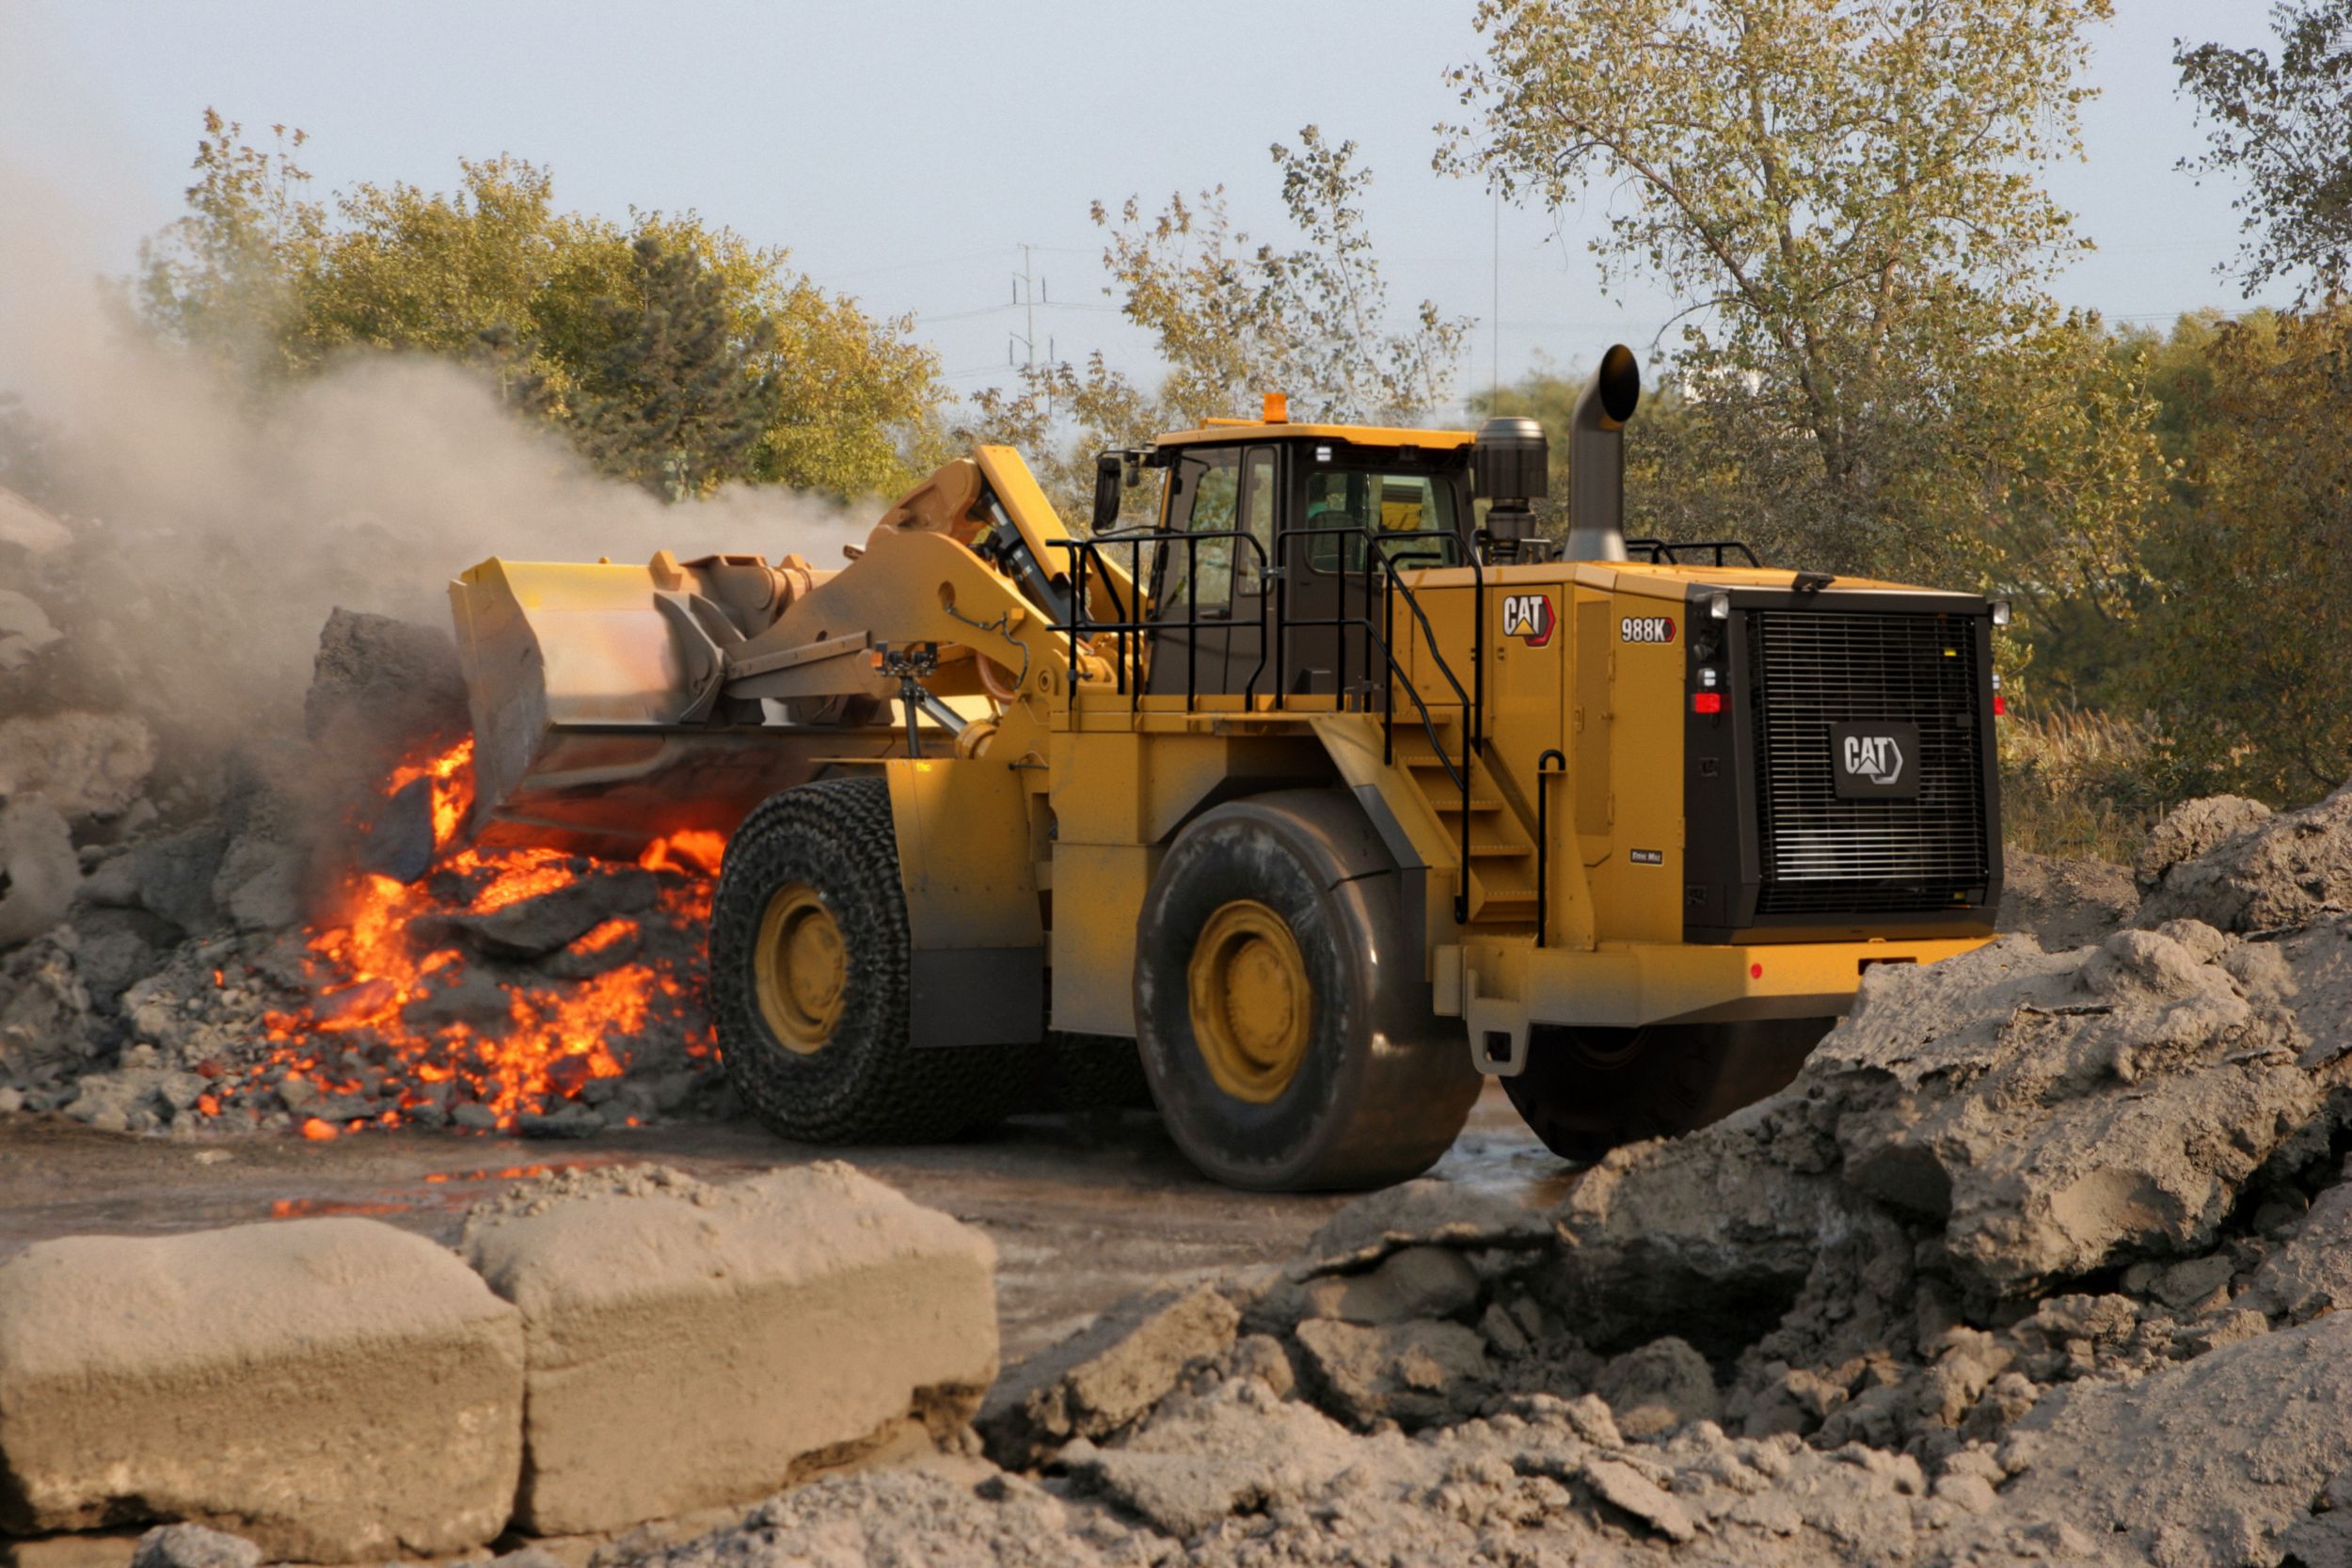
column 1528, row 617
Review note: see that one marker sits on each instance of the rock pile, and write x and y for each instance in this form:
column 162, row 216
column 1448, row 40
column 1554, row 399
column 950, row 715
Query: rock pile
column 2040, row 1258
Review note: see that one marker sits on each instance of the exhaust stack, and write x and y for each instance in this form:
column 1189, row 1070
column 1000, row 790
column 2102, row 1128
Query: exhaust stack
column 1596, row 459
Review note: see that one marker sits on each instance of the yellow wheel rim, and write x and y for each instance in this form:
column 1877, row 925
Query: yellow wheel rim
column 801, row 968
column 1252, row 1007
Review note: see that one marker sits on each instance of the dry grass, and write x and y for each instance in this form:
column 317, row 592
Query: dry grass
column 2079, row 782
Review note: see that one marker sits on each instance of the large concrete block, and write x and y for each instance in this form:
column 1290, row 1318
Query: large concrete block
column 694, row 1346
column 333, row 1389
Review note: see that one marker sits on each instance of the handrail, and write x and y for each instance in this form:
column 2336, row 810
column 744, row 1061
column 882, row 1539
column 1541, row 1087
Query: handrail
column 1081, row 619
column 1669, row 551
column 1543, row 838
column 1378, row 565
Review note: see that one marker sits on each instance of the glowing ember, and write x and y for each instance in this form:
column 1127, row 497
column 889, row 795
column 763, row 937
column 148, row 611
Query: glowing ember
column 393, row 1019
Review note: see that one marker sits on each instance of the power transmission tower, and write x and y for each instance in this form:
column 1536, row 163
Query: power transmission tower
column 1029, row 291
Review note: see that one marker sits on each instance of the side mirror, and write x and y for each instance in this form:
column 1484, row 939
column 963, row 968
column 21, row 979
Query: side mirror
column 1110, row 484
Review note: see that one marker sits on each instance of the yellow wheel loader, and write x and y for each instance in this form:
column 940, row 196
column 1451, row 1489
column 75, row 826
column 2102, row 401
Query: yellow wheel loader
column 1329, row 794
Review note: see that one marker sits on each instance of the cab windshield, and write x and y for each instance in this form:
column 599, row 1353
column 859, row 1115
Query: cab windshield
column 1403, row 504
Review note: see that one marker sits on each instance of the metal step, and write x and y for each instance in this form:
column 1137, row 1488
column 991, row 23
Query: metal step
column 1448, row 802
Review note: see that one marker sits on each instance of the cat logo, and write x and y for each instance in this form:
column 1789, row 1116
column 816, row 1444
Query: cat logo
column 1877, row 760
column 1876, row 757
column 1528, row 617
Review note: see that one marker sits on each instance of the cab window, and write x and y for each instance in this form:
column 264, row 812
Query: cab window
column 1207, row 490
column 1257, row 519
column 1386, row 503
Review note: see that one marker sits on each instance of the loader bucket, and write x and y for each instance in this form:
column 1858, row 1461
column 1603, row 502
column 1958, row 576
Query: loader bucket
column 579, row 691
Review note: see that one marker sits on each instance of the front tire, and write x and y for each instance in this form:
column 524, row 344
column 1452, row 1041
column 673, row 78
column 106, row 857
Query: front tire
column 1282, row 1014
column 809, row 964
column 1585, row 1091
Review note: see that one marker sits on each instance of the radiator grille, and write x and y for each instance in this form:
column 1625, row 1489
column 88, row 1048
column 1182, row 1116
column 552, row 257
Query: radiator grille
column 1826, row 856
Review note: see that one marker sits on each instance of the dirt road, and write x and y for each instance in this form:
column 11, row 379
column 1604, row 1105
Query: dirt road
column 1081, row 1216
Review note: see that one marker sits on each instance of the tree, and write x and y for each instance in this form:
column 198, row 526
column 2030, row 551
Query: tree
column 676, row 401
column 2286, row 129
column 451, row 274
column 566, row 311
column 1233, row 321
column 1871, row 376
column 223, row 280
column 2242, row 656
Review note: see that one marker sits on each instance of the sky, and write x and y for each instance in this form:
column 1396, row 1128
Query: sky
column 907, row 150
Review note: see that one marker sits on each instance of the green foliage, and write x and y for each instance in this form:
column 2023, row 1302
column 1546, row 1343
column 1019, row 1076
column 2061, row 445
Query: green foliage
column 2244, row 645
column 1871, row 378
column 1234, row 320
column 674, row 400
column 674, row 354
column 2284, row 127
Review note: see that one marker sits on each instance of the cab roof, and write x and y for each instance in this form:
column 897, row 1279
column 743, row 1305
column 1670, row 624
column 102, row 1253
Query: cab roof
column 1279, row 429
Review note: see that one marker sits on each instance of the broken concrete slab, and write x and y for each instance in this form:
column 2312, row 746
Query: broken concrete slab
column 1430, row 1211
column 45, row 1020
column 1625, row 1488
column 1417, row 1282
column 89, row 765
column 1238, row 1448
column 39, row 868
column 193, row 1547
column 2276, row 873
column 1416, row 1374
column 174, row 877
column 1660, row 1387
column 531, row 928
column 2216, row 1460
column 1108, row 1374
column 2063, row 903
column 691, row 1346
column 2312, row 1271
column 2190, row 829
column 2062, row 1113
column 333, row 1389
column 25, row 629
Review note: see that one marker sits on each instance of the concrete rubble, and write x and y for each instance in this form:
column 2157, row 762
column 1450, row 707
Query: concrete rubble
column 2038, row 1260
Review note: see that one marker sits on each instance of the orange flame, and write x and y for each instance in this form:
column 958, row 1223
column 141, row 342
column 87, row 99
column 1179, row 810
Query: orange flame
column 372, row 966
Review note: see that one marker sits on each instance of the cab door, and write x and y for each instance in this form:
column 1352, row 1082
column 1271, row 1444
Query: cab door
column 1247, row 669
column 1193, row 576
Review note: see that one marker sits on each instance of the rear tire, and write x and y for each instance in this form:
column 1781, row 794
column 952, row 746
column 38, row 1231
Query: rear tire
column 809, row 960
column 1585, row 1091
column 1284, row 1022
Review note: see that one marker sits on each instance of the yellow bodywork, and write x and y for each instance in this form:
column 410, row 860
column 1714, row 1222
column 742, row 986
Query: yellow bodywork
column 607, row 699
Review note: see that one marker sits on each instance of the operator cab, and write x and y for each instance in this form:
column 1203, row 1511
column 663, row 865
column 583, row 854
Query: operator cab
column 1264, row 520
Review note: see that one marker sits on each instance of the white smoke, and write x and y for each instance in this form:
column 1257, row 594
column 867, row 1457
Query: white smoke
column 211, row 536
